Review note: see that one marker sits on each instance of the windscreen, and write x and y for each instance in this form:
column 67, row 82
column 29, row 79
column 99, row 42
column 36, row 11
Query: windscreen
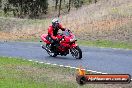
column 66, row 33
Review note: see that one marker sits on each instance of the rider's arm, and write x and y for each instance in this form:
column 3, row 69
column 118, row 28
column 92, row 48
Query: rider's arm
column 50, row 32
column 61, row 27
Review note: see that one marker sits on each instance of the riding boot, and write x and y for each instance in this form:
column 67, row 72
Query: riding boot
column 52, row 47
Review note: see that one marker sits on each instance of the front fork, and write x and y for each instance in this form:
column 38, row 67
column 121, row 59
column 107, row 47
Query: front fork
column 73, row 45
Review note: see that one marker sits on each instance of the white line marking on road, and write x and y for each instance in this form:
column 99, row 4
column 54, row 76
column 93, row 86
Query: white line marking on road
column 61, row 65
column 99, row 72
column 47, row 63
column 70, row 67
column 41, row 62
column 73, row 67
column 94, row 71
column 30, row 60
column 104, row 73
column 36, row 61
column 54, row 64
column 89, row 70
column 67, row 66
column 76, row 68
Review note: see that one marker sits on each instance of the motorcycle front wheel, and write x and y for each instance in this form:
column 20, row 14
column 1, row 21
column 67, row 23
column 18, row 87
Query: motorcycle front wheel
column 76, row 52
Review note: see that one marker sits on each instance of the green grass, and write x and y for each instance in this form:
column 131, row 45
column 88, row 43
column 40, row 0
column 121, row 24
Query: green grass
column 8, row 14
column 106, row 43
column 19, row 73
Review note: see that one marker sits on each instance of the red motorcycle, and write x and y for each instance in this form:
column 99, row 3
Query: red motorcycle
column 67, row 43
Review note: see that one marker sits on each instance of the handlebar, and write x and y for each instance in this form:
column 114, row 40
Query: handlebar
column 61, row 38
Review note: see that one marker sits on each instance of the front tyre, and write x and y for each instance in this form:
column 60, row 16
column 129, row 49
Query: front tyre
column 76, row 52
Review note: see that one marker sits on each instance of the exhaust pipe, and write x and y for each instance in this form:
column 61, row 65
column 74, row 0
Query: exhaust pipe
column 46, row 48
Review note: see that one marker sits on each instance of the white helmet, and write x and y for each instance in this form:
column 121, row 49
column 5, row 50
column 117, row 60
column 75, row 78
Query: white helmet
column 55, row 22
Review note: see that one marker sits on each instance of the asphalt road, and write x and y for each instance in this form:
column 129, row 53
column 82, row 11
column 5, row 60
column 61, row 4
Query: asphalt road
column 105, row 60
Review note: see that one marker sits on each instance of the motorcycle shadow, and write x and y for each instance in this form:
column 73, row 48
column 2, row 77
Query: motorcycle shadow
column 61, row 58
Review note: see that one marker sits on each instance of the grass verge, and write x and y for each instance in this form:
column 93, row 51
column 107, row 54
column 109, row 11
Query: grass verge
column 106, row 43
column 19, row 73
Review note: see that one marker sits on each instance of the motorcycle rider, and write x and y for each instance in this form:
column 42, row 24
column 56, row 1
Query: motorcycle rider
column 53, row 32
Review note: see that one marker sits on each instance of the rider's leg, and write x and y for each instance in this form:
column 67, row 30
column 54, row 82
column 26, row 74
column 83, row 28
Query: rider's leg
column 43, row 37
column 54, row 44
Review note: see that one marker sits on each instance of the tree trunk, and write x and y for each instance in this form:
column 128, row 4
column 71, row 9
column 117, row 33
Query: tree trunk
column 21, row 8
column 59, row 8
column 0, row 4
column 64, row 1
column 69, row 7
column 56, row 3
column 95, row 1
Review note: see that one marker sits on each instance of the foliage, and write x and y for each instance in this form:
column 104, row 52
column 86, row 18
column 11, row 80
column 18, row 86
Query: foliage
column 106, row 43
column 26, row 8
column 38, row 8
column 78, row 3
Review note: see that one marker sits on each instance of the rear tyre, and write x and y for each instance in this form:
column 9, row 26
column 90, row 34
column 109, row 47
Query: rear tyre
column 76, row 52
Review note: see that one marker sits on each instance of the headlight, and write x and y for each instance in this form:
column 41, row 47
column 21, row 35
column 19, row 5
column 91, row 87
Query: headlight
column 73, row 39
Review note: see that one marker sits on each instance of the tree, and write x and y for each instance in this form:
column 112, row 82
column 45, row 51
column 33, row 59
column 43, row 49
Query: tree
column 0, row 3
column 90, row 1
column 69, row 6
column 64, row 1
column 78, row 3
column 95, row 1
column 56, row 4
column 59, row 8
column 30, row 8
